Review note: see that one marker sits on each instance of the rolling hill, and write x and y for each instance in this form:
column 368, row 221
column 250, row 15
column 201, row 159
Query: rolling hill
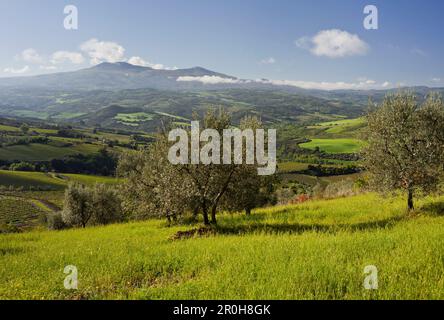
column 97, row 95
column 112, row 76
column 314, row 250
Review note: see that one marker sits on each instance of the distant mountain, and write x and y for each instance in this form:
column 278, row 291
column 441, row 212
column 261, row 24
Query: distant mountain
column 123, row 76
column 113, row 76
column 109, row 92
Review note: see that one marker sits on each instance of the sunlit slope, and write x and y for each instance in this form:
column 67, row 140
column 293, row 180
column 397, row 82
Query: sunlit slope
column 53, row 181
column 314, row 250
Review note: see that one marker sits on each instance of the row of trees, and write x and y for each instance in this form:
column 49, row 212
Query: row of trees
column 405, row 150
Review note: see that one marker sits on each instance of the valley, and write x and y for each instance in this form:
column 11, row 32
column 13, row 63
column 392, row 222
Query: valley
column 310, row 239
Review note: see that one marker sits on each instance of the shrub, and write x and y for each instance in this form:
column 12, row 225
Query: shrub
column 105, row 205
column 22, row 166
column 301, row 198
column 77, row 205
column 84, row 205
column 55, row 221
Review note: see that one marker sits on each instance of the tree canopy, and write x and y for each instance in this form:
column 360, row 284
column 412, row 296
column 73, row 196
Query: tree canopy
column 405, row 148
column 156, row 187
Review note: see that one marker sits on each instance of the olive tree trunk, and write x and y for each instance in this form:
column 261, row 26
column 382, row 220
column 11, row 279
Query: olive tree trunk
column 410, row 199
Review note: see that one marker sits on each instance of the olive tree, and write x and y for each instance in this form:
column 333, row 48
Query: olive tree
column 405, row 148
column 249, row 190
column 155, row 186
column 105, row 204
column 152, row 186
column 77, row 206
column 95, row 205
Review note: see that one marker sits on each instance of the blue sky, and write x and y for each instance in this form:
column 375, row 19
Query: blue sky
column 247, row 39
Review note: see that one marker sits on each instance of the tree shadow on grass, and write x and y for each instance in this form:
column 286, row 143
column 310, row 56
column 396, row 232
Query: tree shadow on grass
column 297, row 228
column 10, row 251
column 434, row 208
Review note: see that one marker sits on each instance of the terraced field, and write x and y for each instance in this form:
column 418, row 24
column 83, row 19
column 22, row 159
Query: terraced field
column 20, row 214
column 26, row 197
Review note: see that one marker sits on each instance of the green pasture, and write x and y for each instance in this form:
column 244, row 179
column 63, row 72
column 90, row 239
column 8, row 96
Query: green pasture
column 315, row 250
column 335, row 145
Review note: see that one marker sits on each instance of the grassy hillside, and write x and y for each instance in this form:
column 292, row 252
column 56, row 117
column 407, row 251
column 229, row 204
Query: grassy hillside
column 314, row 250
column 48, row 180
column 335, row 145
column 340, row 125
column 42, row 152
column 143, row 109
column 30, row 179
column 26, row 197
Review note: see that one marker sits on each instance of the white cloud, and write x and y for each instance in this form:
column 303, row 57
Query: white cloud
column 17, row 71
column 31, row 55
column 103, row 51
column 48, row 68
column 359, row 85
column 436, row 80
column 211, row 80
column 269, row 60
column 138, row 61
column 334, row 43
column 67, row 56
column 324, row 85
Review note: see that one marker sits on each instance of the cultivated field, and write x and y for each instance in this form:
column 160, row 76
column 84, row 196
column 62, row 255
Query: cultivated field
column 54, row 181
column 335, row 145
column 27, row 197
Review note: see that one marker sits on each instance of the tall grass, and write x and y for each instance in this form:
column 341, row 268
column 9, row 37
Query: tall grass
column 316, row 250
column 344, row 145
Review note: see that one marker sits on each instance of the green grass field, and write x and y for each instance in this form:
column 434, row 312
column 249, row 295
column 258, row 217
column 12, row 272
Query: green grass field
column 30, row 179
column 133, row 119
column 31, row 114
column 313, row 181
column 43, row 152
column 48, row 180
column 342, row 122
column 335, row 145
column 344, row 128
column 316, row 250
column 9, row 128
column 292, row 166
column 340, row 126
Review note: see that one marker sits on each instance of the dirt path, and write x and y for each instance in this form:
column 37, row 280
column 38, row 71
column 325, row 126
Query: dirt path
column 45, row 205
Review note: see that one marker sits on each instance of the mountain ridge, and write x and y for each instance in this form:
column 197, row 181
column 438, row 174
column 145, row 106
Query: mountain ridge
column 123, row 75
column 92, row 95
column 112, row 76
